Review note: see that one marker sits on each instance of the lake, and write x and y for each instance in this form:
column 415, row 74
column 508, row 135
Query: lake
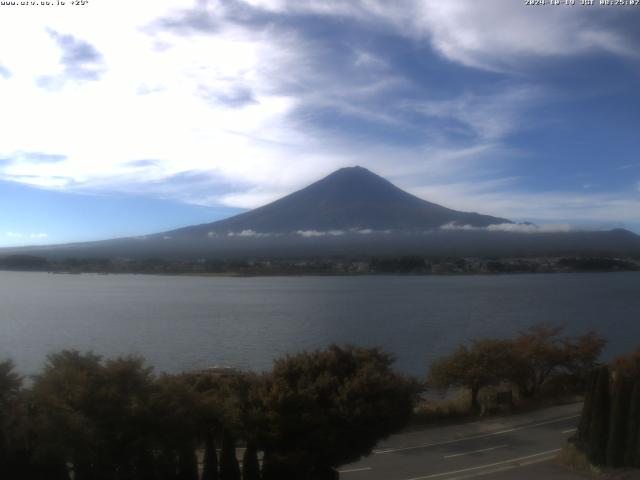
column 183, row 323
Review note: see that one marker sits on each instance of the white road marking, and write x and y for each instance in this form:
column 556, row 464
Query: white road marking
column 571, row 430
column 474, row 437
column 482, row 474
column 489, row 465
column 475, row 451
column 353, row 470
column 504, row 468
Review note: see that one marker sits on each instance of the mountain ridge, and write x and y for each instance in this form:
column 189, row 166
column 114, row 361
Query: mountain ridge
column 351, row 198
column 351, row 212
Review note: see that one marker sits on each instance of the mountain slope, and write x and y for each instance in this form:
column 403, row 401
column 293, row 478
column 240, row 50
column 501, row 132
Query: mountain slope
column 351, row 212
column 348, row 199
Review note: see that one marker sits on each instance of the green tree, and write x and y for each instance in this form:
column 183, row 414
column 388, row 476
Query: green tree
column 250, row 464
column 482, row 364
column 177, row 407
column 115, row 420
column 632, row 452
column 97, row 414
column 210, row 467
column 277, row 467
column 229, row 468
column 10, row 390
column 63, row 398
column 187, row 462
column 167, row 464
column 628, row 365
column 587, row 406
column 541, row 352
column 599, row 426
column 15, row 456
column 618, row 422
column 327, row 408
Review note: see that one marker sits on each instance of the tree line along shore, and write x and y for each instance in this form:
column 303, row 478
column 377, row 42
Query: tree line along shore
column 85, row 417
column 324, row 266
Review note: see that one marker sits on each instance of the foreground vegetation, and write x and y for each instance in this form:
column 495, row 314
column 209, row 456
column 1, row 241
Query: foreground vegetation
column 539, row 364
column 115, row 420
column 85, row 417
column 609, row 430
column 532, row 365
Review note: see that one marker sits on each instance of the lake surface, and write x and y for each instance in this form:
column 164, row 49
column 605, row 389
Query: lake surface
column 183, row 323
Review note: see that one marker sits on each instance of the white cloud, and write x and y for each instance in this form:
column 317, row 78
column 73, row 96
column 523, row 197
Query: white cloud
column 205, row 102
column 526, row 228
column 491, row 34
column 628, row 166
column 500, row 198
column 494, row 34
column 490, row 116
column 316, row 233
column 338, row 233
column 211, row 100
column 497, row 34
column 250, row 199
column 515, row 228
column 182, row 122
column 32, row 236
column 247, row 233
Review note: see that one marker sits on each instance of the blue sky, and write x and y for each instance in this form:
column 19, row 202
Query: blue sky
column 124, row 119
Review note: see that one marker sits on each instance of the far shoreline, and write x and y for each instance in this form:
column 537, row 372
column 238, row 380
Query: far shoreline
column 316, row 275
column 337, row 266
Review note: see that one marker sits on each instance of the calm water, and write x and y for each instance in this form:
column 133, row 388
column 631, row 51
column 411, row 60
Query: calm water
column 181, row 323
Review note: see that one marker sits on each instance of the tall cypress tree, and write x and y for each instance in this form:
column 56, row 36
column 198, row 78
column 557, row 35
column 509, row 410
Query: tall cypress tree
column 44, row 467
column 166, row 465
column 250, row 464
column 187, row 463
column 268, row 468
column 144, row 465
column 82, row 471
column 632, row 451
column 229, row 468
column 587, row 408
column 599, row 427
column 274, row 468
column 210, row 468
column 618, row 422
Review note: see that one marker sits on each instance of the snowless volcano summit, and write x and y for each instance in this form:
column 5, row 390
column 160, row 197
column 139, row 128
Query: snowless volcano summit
column 351, row 212
column 349, row 199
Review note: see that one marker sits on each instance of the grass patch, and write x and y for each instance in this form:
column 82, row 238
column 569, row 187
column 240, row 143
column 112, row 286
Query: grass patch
column 575, row 459
column 430, row 411
column 457, row 406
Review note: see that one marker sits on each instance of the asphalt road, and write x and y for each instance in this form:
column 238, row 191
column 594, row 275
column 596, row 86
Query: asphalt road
column 510, row 447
